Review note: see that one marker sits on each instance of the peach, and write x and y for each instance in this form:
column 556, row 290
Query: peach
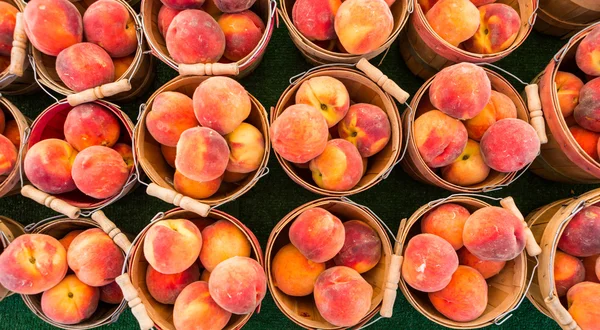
column 169, row 153
column 195, row 189
column 8, row 155
column 52, row 25
column 205, row 276
column 509, row 145
column 299, row 134
column 111, row 293
column 243, row 32
column 48, row 166
column 440, row 138
column 196, row 309
column 362, row 247
column 486, row 268
column 95, row 258
column 326, row 94
column 315, row 18
column 454, row 21
column 309, row 230
column 568, row 87
column 588, row 52
column 461, row 90
column 446, row 221
column 202, row 223
column 126, row 152
column 479, row 3
column 580, row 237
column 11, row 132
column 32, row 263
column 468, row 168
column 122, row 64
column 233, row 177
column 8, row 19
column 172, row 113
column 367, row 127
column 342, row 296
column 233, row 6
column 238, row 285
column 100, row 172
column 339, row 167
column 465, row 298
column 2, row 122
column 172, row 246
column 587, row 112
column 202, row 154
column 109, row 25
column 568, row 271
column 70, row 301
column 68, row 238
column 293, row 273
column 221, row 241
column 498, row 29
column 427, row 4
column 222, row 104
column 583, row 300
column 598, row 268
column 503, row 106
column 247, row 146
column 589, row 263
column 183, row 4
column 166, row 287
column 165, row 17
column 362, row 26
column 84, row 66
column 479, row 124
column 195, row 37
column 587, row 140
column 91, row 124
column 429, row 262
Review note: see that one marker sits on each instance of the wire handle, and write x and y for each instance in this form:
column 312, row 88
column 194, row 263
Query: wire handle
column 563, row 51
column 532, row 18
column 508, row 314
column 32, row 226
column 296, row 78
column 437, row 202
column 35, row 77
column 487, row 189
column 24, row 142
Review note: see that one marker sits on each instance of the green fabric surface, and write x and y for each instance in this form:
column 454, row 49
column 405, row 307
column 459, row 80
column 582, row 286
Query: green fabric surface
column 275, row 195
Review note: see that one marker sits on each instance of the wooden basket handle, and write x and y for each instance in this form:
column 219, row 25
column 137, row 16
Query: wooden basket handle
column 18, row 53
column 209, row 69
column 382, row 80
column 50, row 201
column 111, row 230
column 533, row 248
column 391, row 286
column 534, row 104
column 177, row 199
column 135, row 303
column 99, row 92
column 561, row 315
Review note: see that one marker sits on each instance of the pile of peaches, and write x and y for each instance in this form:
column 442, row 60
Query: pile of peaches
column 328, row 135
column 204, row 31
column 325, row 258
column 455, row 254
column 10, row 140
column 466, row 128
column 56, row 28
column 39, row 263
column 8, row 19
column 231, row 283
column 206, row 138
column 478, row 26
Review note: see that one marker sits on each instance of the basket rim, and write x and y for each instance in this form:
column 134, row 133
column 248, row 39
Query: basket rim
column 23, row 125
column 543, row 14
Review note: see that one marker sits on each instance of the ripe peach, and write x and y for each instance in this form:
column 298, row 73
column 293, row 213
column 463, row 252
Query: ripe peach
column 589, row 263
column 109, row 25
column 367, row 127
column 95, row 258
column 362, row 247
column 568, row 271
column 233, row 177
column 172, row 113
column 122, row 64
column 52, row 25
column 48, row 166
column 326, row 94
column 183, row 4
column 479, row 3
column 70, row 301
column 479, row 124
column 165, row 16
column 166, row 287
column 222, row 104
column 247, row 146
column 205, row 276
column 503, row 105
column 498, row 29
column 587, row 140
column 126, row 152
column 111, row 293
column 446, row 221
column 68, row 238
column 440, row 138
column 429, row 262
column 583, row 300
column 486, row 268
column 568, row 87
column 315, row 18
column 195, row 189
column 169, row 153
column 84, row 65
column 202, row 223
column 221, row 241
column 509, row 145
column 195, row 37
column 308, row 231
column 454, row 21
column 427, row 4
column 468, row 168
column 8, row 19
column 588, row 52
column 243, row 32
column 172, row 246
column 233, row 6
column 91, row 124
column 580, row 237
column 32, row 263
column 339, row 167
column 362, row 26
column 99, row 172
column 587, row 112
column 293, row 273
column 202, row 154
column 11, row 132
column 8, row 155
column 196, row 309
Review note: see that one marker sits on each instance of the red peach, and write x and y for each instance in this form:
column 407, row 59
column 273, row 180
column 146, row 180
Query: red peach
column 11, row 132
column 243, row 32
column 233, row 6
column 48, row 166
column 587, row 112
column 568, row 87
column 247, row 146
column 568, row 271
column 8, row 155
column 166, row 287
column 202, row 154
column 183, row 4
column 362, row 26
column 446, row 221
column 195, row 189
column 84, row 65
column 339, row 167
column 362, row 247
column 52, row 25
column 580, row 237
column 367, row 127
column 487, row 268
column 95, row 258
column 165, row 16
column 196, row 309
column 309, row 229
column 99, row 172
column 126, row 152
column 91, row 124
column 68, row 238
column 169, row 153
column 195, row 37
column 583, row 300
column 468, row 168
column 588, row 52
column 440, row 138
column 8, row 19
column 326, row 94
column 454, row 21
column 172, row 113
column 111, row 293
column 499, row 27
column 221, row 241
column 71, row 301
column 509, row 145
column 315, row 18
column 587, row 140
column 172, row 246
column 109, row 25
column 293, row 273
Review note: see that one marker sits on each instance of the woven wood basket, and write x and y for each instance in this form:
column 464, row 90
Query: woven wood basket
column 49, row 124
column 547, row 224
column 265, row 9
column 10, row 229
column 317, row 55
column 505, row 290
column 9, row 183
column 566, row 17
column 425, row 53
column 383, row 277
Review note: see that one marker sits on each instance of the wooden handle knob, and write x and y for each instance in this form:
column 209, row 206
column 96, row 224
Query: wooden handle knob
column 535, row 111
column 209, row 69
column 18, row 53
column 135, row 303
column 111, row 230
column 533, row 248
column 50, row 201
column 177, row 199
column 99, row 92
column 382, row 80
column 391, row 286
column 508, row 204
column 561, row 315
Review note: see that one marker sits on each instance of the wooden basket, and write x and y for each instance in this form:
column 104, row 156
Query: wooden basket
column 10, row 229
column 383, row 277
column 9, row 183
column 131, row 84
column 58, row 228
column 145, row 308
column 425, row 53
column 505, row 290
column 265, row 9
column 363, row 88
column 566, row 17
column 317, row 55
column 547, row 224
column 49, row 124
column 149, row 155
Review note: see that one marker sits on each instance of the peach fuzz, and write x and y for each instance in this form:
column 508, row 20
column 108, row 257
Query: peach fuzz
column 68, row 238
column 90, row 124
column 503, row 106
column 362, row 26
column 587, row 112
column 32, row 263
column 52, row 25
column 342, row 296
column 238, row 285
column 568, row 87
column 362, row 247
column 202, row 154
column 126, row 153
column 122, row 64
column 195, row 189
column 568, row 271
column 509, row 145
column 440, row 138
column 367, row 127
column 299, row 133
column 233, row 6
column 326, row 94
column 315, row 18
column 8, row 19
column 454, row 21
column 293, row 273
column 95, row 258
column 99, row 172
column 479, row 124
column 84, row 65
column 172, row 113
column 580, row 237
column 465, row 298
column 498, row 29
column 446, row 221
column 108, row 24
column 169, row 154
column 588, row 53
column 111, row 293
column 317, row 234
column 48, row 166
column 232, row 177
column 589, row 264
column 468, row 168
column 71, row 301
column 11, row 132
column 486, row 268
column 8, row 155
column 587, row 140
column 195, row 37
column 429, row 262
column 165, row 17
column 461, row 90
column 166, row 287
column 172, row 246
column 339, row 167
column 583, row 300
column 221, row 241
column 247, row 146
column 243, row 32
column 196, row 309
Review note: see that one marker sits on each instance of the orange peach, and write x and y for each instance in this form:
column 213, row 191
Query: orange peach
column 126, row 152
column 233, row 6
column 479, row 124
column 243, row 32
column 509, row 145
column 362, row 247
column 52, row 25
column 440, row 138
column 446, row 221
column 587, row 140
column 486, row 268
column 122, row 64
column 221, row 241
column 91, row 124
column 95, row 258
column 315, row 18
column 367, row 127
column 48, row 166
column 427, row 4
column 339, row 167
column 583, row 300
column 172, row 113
column 293, row 273
column 166, row 287
column 84, row 65
column 196, row 309
column 568, row 271
column 195, row 189
column 108, row 24
column 362, row 26
column 233, row 177
column 205, row 276
column 247, row 146
column 589, row 263
column 222, row 104
column 580, row 237
column 454, row 21
column 587, row 112
column 169, row 153
column 172, row 246
column 8, row 19
column 165, row 16
column 503, row 105
column 68, row 238
column 99, row 172
column 499, row 27
column 326, row 94
column 202, row 154
column 588, row 52
column 468, row 168
column 111, row 293
column 70, row 301
column 11, row 132
column 568, row 87
column 309, row 229
column 195, row 37
column 8, row 155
